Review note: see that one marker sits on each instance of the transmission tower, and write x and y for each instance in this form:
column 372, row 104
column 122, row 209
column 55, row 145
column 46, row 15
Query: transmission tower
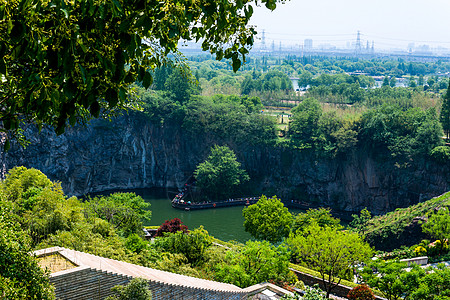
column 263, row 42
column 358, row 44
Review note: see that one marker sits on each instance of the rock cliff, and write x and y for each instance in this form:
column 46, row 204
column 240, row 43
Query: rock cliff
column 131, row 153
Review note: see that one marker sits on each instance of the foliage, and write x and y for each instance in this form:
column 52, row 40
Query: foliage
column 360, row 221
column 434, row 285
column 192, row 245
column 386, row 229
column 135, row 243
column 320, row 216
column 267, row 219
column 228, row 118
column 254, row 263
column 438, row 225
column 171, row 226
column 125, row 211
column 220, row 173
column 314, row 293
column 304, row 125
column 441, row 153
column 361, row 292
column 401, row 133
column 444, row 117
column 136, row 289
column 391, row 278
column 20, row 275
column 331, row 252
column 59, row 65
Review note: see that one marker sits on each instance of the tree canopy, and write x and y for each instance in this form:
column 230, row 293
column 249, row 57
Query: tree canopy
column 220, row 173
column 268, row 219
column 331, row 252
column 66, row 61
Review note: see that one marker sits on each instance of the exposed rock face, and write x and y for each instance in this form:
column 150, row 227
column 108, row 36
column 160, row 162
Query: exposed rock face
column 132, row 153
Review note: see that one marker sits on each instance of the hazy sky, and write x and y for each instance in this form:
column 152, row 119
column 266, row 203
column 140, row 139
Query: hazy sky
column 390, row 23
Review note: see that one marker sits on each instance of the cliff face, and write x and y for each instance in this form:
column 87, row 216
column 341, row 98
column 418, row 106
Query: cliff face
column 132, row 153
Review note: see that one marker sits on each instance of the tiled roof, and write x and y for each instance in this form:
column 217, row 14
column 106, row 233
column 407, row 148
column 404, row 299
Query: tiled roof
column 110, row 265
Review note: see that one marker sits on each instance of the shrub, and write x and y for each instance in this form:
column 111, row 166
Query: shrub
column 171, row 226
column 420, row 251
column 441, row 153
column 361, row 292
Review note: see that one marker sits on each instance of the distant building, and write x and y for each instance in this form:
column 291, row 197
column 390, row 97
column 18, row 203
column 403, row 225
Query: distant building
column 308, row 44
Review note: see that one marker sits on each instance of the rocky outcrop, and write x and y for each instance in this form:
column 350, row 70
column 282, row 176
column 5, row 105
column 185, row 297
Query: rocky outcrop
column 131, row 153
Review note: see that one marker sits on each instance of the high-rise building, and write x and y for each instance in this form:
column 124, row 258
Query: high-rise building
column 308, row 44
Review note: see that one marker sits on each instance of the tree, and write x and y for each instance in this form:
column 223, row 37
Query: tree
column 171, row 226
column 68, row 61
column 385, row 81
column 331, row 252
column 305, row 121
column 438, row 225
column 136, row 289
column 254, row 263
column 20, row 275
column 435, row 284
column 125, row 211
column 268, row 219
column 393, row 82
column 192, row 244
column 359, row 222
column 320, row 216
column 391, row 278
column 444, row 117
column 361, row 292
column 220, row 173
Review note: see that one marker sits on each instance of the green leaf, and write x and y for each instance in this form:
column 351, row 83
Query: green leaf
column 7, row 145
column 2, row 66
column 148, row 80
column 236, row 64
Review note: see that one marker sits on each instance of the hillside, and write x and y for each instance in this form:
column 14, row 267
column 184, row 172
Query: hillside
column 404, row 225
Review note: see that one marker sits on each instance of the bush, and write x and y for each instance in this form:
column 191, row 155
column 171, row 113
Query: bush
column 361, row 292
column 171, row 226
column 441, row 153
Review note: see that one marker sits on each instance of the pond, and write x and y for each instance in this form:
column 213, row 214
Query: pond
column 223, row 223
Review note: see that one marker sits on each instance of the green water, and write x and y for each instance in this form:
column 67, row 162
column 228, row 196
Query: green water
column 223, row 223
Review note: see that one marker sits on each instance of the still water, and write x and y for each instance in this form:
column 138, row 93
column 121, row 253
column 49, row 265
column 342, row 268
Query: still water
column 223, row 223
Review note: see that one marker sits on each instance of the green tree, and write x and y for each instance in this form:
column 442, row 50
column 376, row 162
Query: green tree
column 444, row 117
column 136, row 289
column 67, row 61
column 320, row 216
column 393, row 82
column 220, row 173
column 256, row 262
column 385, row 81
column 438, row 225
column 192, row 244
column 268, row 219
column 359, row 222
column 435, row 284
column 331, row 252
column 20, row 275
column 391, row 278
column 125, row 211
column 304, row 125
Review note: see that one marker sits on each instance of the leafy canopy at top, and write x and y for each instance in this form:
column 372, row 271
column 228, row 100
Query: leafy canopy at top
column 66, row 61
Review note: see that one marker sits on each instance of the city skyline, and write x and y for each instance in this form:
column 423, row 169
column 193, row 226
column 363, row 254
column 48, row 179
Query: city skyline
column 395, row 24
